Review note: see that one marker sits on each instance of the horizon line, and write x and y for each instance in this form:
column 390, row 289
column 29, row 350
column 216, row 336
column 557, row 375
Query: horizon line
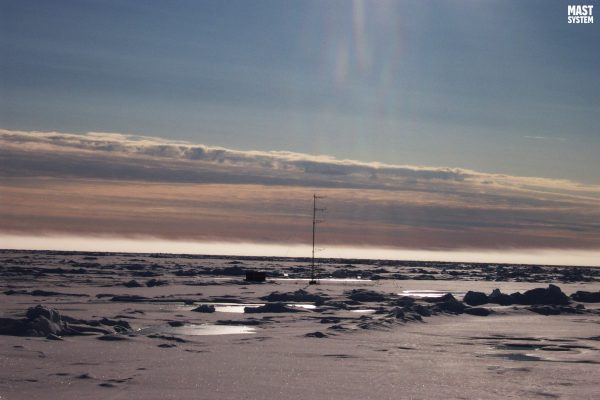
column 147, row 245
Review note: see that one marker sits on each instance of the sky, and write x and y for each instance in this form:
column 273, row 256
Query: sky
column 497, row 86
column 430, row 125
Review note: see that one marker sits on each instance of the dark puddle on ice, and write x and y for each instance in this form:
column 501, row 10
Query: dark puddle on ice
column 518, row 346
column 198, row 330
column 430, row 293
column 573, row 348
column 517, row 357
column 529, row 357
column 566, row 353
column 539, row 349
column 339, row 356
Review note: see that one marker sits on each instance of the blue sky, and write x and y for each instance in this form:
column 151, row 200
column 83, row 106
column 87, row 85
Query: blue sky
column 495, row 86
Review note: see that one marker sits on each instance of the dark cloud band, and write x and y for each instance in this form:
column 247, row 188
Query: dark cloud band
column 101, row 183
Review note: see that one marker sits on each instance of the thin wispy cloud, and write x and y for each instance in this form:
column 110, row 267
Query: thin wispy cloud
column 559, row 139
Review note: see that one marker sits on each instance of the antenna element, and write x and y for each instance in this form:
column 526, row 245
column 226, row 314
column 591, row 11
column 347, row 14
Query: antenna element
column 313, row 279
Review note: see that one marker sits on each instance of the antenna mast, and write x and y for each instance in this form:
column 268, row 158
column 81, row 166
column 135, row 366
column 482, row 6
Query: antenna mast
column 313, row 279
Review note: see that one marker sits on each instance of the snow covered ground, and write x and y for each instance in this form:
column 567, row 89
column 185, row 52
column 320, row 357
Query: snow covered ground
column 384, row 335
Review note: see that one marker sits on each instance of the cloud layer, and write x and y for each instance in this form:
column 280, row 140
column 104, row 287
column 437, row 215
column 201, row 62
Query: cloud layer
column 107, row 183
column 269, row 163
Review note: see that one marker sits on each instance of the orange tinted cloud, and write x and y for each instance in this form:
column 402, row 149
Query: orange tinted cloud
column 120, row 185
